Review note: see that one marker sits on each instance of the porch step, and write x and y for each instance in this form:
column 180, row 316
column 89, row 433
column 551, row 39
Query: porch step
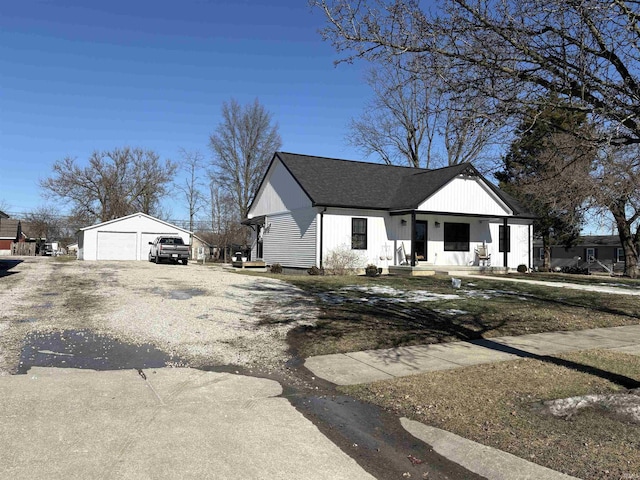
column 254, row 264
column 424, row 269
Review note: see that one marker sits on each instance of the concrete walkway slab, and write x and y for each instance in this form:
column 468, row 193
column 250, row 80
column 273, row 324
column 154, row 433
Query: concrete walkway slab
column 467, row 353
column 614, row 290
column 175, row 423
column 532, row 344
column 486, row 461
column 344, row 370
column 585, row 339
column 630, row 350
column 372, row 365
column 397, row 361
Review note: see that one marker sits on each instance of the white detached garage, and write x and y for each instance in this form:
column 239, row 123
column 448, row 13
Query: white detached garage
column 125, row 238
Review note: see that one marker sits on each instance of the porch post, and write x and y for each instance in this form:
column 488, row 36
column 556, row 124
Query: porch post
column 506, row 242
column 413, row 238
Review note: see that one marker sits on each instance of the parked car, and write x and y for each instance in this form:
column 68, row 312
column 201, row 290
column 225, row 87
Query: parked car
column 170, row 248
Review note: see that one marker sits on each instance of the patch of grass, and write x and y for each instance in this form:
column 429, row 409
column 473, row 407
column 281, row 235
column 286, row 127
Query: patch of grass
column 354, row 320
column 498, row 405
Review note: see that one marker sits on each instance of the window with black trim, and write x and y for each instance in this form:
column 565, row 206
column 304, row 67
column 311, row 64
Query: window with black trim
column 504, row 242
column 619, row 254
column 456, row 237
column 358, row 233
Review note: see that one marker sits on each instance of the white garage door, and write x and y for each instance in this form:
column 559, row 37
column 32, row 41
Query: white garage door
column 117, row 245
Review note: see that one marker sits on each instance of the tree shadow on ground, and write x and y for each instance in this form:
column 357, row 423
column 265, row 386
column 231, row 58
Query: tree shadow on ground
column 352, row 324
column 7, row 265
column 621, row 380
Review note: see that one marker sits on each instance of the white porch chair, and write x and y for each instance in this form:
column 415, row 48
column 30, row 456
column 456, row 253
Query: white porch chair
column 484, row 257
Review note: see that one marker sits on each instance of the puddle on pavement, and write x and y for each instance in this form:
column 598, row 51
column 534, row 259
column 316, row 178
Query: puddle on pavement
column 87, row 350
column 183, row 294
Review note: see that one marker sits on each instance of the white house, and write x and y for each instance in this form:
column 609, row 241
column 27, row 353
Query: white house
column 125, row 238
column 391, row 216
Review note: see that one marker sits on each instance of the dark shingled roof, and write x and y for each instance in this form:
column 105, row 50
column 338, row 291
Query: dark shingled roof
column 589, row 241
column 333, row 182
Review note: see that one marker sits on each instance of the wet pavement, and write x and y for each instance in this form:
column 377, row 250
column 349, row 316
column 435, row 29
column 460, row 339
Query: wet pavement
column 83, row 349
column 374, row 438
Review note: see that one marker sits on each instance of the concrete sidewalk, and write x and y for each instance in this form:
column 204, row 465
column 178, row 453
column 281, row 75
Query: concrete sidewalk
column 169, row 423
column 372, row 365
column 606, row 287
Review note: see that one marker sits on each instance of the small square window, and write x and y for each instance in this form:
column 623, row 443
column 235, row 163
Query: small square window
column 456, row 237
column 358, row 233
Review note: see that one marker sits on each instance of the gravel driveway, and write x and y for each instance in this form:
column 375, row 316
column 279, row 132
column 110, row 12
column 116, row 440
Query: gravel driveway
column 203, row 315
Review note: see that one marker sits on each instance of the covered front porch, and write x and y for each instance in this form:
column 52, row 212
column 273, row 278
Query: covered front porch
column 438, row 242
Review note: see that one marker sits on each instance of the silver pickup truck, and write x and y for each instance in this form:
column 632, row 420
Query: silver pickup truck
column 170, row 248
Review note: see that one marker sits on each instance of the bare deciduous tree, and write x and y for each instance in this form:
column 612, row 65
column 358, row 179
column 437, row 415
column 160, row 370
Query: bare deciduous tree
column 243, row 144
column 616, row 189
column 412, row 114
column 113, row 184
column 399, row 124
column 46, row 222
column 192, row 165
column 224, row 224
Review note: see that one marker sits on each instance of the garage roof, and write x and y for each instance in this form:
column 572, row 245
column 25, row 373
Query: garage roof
column 135, row 215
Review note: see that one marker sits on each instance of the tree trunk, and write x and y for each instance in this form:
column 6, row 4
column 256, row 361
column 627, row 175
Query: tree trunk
column 627, row 239
column 546, row 247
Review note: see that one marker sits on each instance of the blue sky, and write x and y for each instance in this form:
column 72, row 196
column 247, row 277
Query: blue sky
column 78, row 76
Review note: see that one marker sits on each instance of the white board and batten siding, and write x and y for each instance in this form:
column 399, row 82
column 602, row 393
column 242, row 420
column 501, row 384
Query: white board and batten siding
column 337, row 235
column 279, row 193
column 125, row 238
column 290, row 238
column 467, row 195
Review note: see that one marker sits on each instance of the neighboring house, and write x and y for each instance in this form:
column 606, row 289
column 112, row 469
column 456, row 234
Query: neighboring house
column 72, row 249
column 15, row 238
column 308, row 206
column 200, row 245
column 590, row 251
column 125, row 238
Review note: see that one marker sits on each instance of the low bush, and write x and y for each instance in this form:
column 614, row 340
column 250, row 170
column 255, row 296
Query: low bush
column 372, row 270
column 522, row 268
column 276, row 268
column 315, row 271
column 342, row 261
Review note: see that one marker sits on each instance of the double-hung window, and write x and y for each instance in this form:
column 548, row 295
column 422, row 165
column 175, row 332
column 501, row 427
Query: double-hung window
column 358, row 233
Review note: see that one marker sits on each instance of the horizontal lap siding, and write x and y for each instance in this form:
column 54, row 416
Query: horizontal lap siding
column 290, row 239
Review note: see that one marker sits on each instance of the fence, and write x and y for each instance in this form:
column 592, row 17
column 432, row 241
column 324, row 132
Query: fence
column 23, row 249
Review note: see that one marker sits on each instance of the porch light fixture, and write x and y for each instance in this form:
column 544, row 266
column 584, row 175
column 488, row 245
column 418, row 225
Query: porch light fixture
column 437, row 224
column 403, row 221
